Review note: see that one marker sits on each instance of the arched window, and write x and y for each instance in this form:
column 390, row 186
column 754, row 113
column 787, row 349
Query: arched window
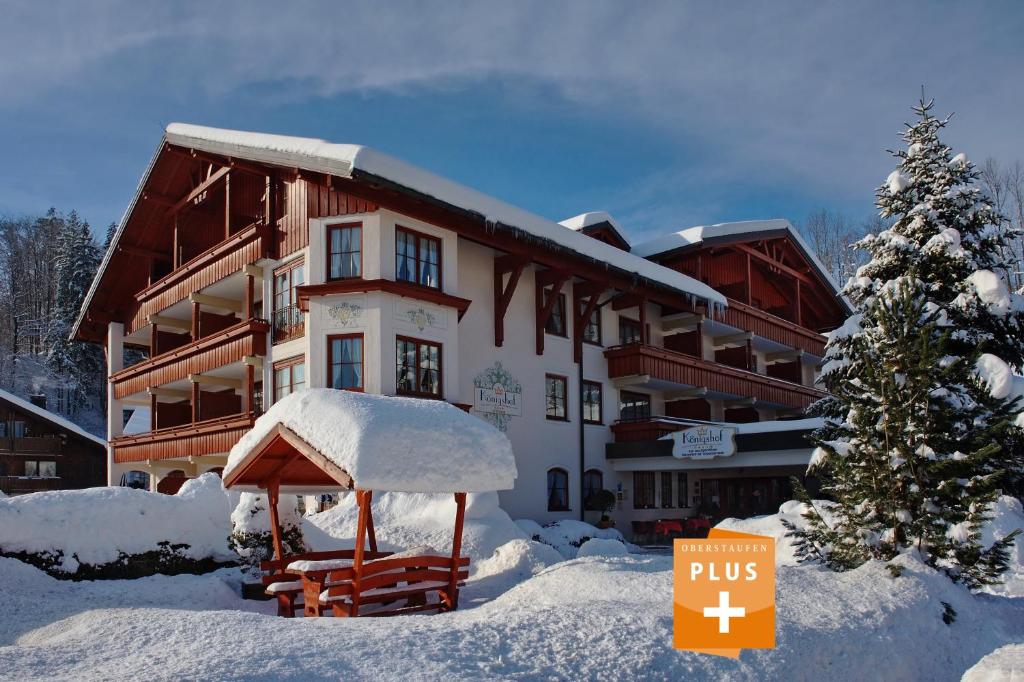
column 593, row 483
column 558, row 490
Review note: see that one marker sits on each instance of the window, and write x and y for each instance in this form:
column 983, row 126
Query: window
column 682, row 490
column 558, row 490
column 40, row 469
column 289, row 322
column 419, row 368
column 591, row 402
column 592, row 329
column 634, row 405
column 593, row 483
column 344, row 251
column 19, row 429
column 643, row 490
column 289, row 376
column 417, row 258
column 345, row 362
column 556, row 320
column 666, row 489
column 554, row 397
column 629, row 331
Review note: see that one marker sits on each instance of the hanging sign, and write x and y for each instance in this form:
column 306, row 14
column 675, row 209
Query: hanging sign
column 497, row 395
column 704, row 442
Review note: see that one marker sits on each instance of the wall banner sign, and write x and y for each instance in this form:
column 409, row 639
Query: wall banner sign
column 704, row 442
column 497, row 395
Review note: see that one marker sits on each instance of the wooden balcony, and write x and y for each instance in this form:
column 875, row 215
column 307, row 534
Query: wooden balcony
column 246, row 246
column 773, row 328
column 676, row 368
column 231, row 345
column 19, row 485
column 214, row 436
column 650, row 428
column 50, row 445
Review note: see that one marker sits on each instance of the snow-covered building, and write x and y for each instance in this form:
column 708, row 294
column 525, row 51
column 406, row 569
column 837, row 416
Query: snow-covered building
column 249, row 266
column 41, row 450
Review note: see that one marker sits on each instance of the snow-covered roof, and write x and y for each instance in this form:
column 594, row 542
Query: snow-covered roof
column 345, row 159
column 701, row 233
column 388, row 443
column 43, row 413
column 590, row 218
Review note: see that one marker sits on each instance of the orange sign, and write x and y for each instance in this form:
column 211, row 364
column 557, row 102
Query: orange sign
column 724, row 597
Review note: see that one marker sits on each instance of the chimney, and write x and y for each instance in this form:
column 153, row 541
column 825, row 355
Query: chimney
column 39, row 400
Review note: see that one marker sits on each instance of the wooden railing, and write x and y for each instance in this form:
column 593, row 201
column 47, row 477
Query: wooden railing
column 16, row 485
column 226, row 258
column 213, row 436
column 31, row 444
column 659, row 363
column 772, row 327
column 223, row 348
column 649, row 428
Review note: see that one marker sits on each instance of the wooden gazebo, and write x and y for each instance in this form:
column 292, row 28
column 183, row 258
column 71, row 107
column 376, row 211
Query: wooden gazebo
column 325, row 440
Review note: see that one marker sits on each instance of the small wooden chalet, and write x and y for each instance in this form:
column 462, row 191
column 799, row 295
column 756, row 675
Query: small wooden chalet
column 40, row 450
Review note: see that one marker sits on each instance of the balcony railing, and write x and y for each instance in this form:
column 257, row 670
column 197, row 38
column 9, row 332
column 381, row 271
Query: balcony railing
column 31, row 444
column 685, row 370
column 289, row 323
column 213, row 436
column 773, row 328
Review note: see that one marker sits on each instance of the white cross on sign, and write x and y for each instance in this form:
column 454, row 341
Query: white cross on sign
column 723, row 612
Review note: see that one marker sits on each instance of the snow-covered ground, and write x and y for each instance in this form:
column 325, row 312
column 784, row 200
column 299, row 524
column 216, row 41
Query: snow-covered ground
column 526, row 613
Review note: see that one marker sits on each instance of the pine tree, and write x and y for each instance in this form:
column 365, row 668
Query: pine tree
column 921, row 422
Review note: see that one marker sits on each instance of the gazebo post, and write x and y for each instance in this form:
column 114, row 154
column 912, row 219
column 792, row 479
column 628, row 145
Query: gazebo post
column 453, row 580
column 273, row 490
column 363, row 498
column 371, row 534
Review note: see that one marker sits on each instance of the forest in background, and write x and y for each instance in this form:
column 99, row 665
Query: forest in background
column 47, row 264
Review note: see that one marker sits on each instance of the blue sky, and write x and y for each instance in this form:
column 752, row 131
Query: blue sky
column 666, row 114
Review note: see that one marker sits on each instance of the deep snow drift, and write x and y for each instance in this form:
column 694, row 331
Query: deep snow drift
column 96, row 524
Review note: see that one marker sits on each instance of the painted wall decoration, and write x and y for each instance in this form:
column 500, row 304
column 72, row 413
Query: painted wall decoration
column 704, row 442
column 421, row 316
column 346, row 313
column 497, row 395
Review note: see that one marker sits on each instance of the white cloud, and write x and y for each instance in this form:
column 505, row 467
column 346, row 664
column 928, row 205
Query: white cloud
column 804, row 93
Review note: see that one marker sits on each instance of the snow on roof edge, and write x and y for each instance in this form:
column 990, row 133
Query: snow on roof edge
column 342, row 159
column 51, row 417
column 698, row 233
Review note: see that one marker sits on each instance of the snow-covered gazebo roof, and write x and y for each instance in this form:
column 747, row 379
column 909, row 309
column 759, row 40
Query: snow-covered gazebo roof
column 326, row 439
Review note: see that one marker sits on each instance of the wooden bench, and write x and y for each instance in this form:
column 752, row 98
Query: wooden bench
column 286, row 586
column 384, row 582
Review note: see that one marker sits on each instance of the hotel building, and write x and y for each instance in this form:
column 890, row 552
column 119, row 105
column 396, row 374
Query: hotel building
column 673, row 373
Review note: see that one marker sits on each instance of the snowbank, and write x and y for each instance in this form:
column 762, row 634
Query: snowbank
column 601, row 547
column 567, row 535
column 390, row 444
column 1007, row 516
column 99, row 525
column 403, row 520
column 1005, row 664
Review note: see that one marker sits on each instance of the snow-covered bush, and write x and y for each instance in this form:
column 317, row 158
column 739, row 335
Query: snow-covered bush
column 567, row 535
column 601, row 547
column 250, row 536
column 114, row 533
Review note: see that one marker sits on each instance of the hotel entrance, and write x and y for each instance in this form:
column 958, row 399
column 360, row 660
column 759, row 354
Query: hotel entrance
column 743, row 497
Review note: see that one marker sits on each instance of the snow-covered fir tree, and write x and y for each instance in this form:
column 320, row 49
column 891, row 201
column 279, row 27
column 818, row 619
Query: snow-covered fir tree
column 922, row 426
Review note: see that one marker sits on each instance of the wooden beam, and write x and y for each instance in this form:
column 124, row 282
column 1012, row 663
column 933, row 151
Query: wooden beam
column 681, row 322
column 546, row 300
column 144, row 253
column 217, row 302
column 587, row 294
column 732, row 340
column 172, row 323
column 253, row 361
column 514, row 266
column 203, row 187
column 207, row 380
column 754, row 253
column 624, row 301
column 252, row 271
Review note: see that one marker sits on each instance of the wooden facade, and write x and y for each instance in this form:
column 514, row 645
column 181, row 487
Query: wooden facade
column 38, row 453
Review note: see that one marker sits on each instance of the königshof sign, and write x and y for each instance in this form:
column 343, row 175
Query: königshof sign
column 704, row 442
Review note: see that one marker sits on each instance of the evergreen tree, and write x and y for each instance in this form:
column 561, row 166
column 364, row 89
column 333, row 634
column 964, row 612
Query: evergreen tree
column 921, row 424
